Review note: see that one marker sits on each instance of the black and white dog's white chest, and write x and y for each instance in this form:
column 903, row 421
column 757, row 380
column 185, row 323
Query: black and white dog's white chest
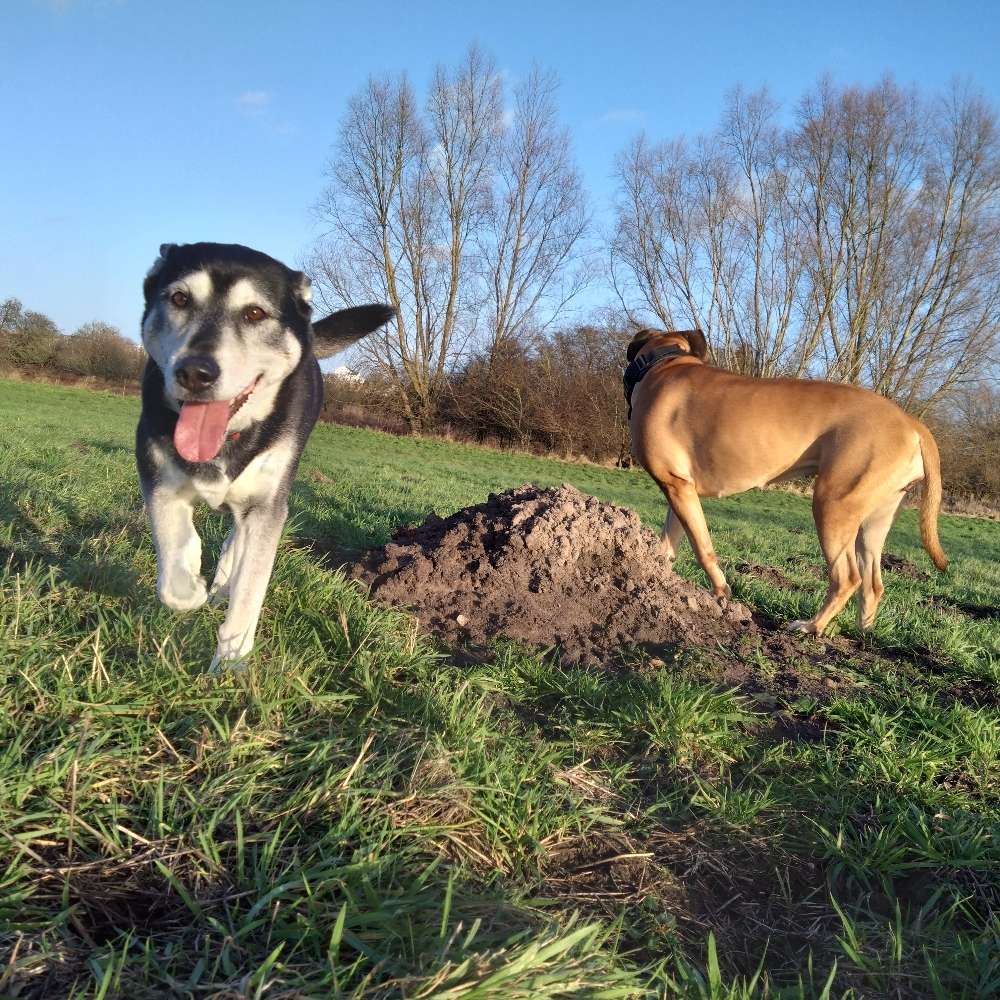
column 259, row 481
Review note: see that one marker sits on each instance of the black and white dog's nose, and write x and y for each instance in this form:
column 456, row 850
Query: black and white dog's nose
column 196, row 372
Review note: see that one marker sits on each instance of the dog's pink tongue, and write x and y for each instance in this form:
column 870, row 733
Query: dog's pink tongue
column 200, row 430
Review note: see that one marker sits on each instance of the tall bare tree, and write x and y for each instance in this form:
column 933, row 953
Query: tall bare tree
column 905, row 271
column 407, row 191
column 706, row 236
column 374, row 212
column 532, row 239
column 465, row 110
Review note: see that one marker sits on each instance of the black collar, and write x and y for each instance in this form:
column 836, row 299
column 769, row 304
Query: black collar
column 639, row 367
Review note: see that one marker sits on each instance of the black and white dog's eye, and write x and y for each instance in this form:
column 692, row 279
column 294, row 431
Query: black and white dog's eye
column 180, row 299
column 254, row 314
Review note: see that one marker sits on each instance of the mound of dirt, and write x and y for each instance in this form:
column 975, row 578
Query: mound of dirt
column 548, row 567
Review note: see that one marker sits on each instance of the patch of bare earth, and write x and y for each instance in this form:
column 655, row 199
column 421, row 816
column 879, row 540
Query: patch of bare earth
column 766, row 574
column 102, row 899
column 550, row 568
column 683, row 880
column 903, row 567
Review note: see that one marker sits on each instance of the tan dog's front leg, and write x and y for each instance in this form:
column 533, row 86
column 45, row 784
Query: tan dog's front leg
column 686, row 506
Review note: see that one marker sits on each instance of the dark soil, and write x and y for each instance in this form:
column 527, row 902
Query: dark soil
column 767, row 574
column 903, row 567
column 693, row 879
column 559, row 570
column 550, row 568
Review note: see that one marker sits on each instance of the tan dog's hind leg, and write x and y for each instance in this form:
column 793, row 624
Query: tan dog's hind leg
column 687, row 510
column 671, row 535
column 837, row 524
column 871, row 537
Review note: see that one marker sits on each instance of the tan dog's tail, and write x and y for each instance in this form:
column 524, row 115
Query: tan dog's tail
column 930, row 500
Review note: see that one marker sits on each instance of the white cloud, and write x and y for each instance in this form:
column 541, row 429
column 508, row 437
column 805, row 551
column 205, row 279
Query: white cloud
column 253, row 101
column 263, row 113
column 616, row 116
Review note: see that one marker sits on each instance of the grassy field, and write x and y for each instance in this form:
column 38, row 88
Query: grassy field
column 356, row 815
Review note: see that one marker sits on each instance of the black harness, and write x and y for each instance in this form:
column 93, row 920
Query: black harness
column 639, row 367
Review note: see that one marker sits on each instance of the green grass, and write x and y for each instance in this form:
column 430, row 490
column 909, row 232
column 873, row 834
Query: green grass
column 357, row 816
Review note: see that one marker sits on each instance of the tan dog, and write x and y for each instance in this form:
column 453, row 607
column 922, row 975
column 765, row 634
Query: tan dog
column 702, row 431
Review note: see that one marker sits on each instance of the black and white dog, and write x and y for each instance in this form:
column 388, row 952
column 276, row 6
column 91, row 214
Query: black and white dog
column 230, row 393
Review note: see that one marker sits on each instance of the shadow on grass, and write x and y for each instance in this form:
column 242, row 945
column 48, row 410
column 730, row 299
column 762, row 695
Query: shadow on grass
column 328, row 529
column 66, row 549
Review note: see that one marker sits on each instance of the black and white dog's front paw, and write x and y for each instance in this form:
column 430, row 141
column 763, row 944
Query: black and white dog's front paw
column 231, row 652
column 183, row 592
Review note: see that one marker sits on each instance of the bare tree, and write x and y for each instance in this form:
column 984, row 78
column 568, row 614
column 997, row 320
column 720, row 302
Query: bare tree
column 375, row 177
column 531, row 243
column 11, row 312
column 906, row 275
column 407, row 193
column 465, row 109
column 464, row 225
column 763, row 295
column 707, row 236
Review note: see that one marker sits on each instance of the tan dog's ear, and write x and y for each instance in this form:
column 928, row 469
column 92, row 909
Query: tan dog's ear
column 636, row 344
column 697, row 343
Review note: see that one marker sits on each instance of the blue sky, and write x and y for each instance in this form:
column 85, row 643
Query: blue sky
column 128, row 123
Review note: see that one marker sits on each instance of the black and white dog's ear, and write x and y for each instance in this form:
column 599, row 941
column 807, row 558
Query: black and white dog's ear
column 346, row 326
column 149, row 284
column 697, row 342
column 303, row 292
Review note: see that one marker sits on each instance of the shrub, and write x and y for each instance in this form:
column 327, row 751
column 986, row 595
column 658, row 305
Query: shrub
column 561, row 393
column 99, row 349
column 27, row 339
column 360, row 403
column 968, row 436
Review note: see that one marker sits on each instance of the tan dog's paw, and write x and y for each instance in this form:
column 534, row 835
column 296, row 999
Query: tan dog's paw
column 723, row 595
column 805, row 627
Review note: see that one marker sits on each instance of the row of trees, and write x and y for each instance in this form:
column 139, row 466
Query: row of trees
column 557, row 392
column 857, row 239
column 562, row 394
column 31, row 342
